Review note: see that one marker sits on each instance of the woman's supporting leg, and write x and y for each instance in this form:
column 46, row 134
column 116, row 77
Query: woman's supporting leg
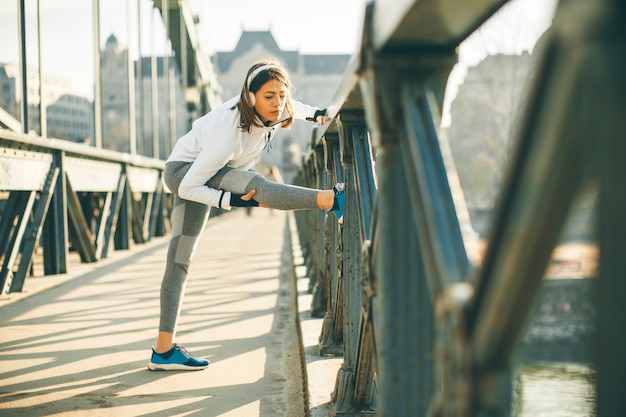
column 188, row 222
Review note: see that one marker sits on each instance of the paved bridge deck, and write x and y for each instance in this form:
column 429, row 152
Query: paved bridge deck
column 81, row 348
column 78, row 345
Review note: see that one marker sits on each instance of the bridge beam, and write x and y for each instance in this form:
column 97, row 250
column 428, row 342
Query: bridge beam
column 201, row 89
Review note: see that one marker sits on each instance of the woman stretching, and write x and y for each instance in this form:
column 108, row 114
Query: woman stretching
column 210, row 166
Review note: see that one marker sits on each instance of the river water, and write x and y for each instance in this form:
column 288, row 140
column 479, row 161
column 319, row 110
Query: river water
column 554, row 390
column 553, row 377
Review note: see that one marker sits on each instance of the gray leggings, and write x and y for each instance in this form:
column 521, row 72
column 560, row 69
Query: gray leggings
column 189, row 219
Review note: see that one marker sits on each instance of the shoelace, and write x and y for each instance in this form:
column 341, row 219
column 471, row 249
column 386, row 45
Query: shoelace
column 184, row 351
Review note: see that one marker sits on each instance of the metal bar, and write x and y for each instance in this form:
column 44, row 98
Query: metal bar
column 140, row 128
column 132, row 119
column 365, row 179
column 167, row 98
column 347, row 245
column 11, row 209
column 148, row 206
column 55, row 231
column 135, row 215
column 360, row 200
column 123, row 233
column 338, row 275
column 112, row 218
column 304, row 220
column 428, row 22
column 101, row 233
column 331, row 335
column 547, row 170
column 311, row 225
column 43, row 119
column 610, row 344
column 83, row 240
column 161, row 225
column 11, row 218
column 155, row 209
column 352, row 295
column 607, row 88
column 319, row 303
column 9, row 261
column 23, row 64
column 183, row 50
column 97, row 84
column 76, row 149
column 434, row 210
column 154, row 70
column 31, row 236
column 404, row 319
column 366, row 360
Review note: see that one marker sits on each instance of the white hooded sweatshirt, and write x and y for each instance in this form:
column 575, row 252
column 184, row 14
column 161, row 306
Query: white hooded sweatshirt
column 216, row 140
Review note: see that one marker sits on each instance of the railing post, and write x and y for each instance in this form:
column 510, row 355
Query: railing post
column 55, row 229
column 365, row 192
column 404, row 315
column 331, row 337
column 319, row 301
column 345, row 399
column 403, row 310
column 608, row 138
column 122, row 236
column 611, row 343
column 303, row 218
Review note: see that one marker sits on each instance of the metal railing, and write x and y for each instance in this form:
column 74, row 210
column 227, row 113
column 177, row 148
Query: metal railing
column 59, row 196
column 422, row 330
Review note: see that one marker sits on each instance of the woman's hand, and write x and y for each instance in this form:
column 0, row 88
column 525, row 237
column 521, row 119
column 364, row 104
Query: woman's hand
column 248, row 197
column 322, row 120
column 319, row 117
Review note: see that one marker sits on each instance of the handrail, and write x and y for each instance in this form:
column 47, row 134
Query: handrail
column 72, row 148
column 424, row 329
column 62, row 195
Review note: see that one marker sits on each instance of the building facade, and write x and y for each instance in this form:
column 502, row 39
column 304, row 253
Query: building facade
column 69, row 115
column 154, row 136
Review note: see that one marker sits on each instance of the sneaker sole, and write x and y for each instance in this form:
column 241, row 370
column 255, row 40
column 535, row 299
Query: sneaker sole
column 174, row 367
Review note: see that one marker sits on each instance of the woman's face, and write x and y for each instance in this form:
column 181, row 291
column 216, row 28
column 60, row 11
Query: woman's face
column 270, row 101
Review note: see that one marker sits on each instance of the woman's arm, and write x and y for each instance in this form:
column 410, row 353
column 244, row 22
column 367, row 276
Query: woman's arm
column 305, row 112
column 217, row 149
column 193, row 186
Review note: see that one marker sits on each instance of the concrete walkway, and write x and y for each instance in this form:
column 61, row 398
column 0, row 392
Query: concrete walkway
column 81, row 348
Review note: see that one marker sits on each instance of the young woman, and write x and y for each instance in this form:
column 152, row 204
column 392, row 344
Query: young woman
column 210, row 166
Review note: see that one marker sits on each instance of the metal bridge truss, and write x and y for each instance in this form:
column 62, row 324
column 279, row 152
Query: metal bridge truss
column 63, row 197
column 199, row 81
column 60, row 197
column 423, row 329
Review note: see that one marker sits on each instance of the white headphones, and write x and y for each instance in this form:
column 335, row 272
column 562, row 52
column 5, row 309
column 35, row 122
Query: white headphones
column 255, row 74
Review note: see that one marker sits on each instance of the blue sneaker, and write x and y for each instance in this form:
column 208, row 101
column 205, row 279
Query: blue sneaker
column 339, row 203
column 176, row 359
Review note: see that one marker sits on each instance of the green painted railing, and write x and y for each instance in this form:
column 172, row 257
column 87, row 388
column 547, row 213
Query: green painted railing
column 422, row 330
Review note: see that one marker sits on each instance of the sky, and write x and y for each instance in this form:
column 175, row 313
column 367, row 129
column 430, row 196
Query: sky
column 323, row 26
column 334, row 26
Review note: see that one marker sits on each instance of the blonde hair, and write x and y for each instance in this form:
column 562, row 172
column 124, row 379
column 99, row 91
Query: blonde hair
column 274, row 71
